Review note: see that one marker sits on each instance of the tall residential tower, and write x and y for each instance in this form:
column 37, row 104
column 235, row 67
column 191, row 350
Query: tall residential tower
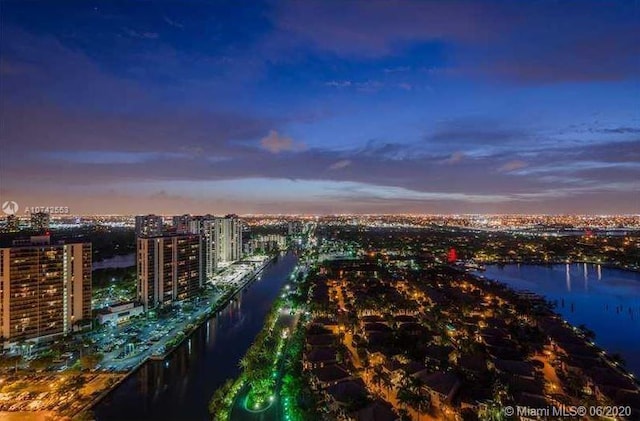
column 45, row 289
column 222, row 242
column 168, row 268
column 149, row 225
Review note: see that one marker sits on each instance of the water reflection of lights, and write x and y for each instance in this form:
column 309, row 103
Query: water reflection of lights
column 586, row 277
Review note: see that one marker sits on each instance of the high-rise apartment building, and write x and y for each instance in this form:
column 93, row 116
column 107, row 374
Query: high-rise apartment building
column 266, row 243
column 222, row 242
column 168, row 268
column 148, row 225
column 45, row 289
column 40, row 221
column 182, row 224
column 195, row 225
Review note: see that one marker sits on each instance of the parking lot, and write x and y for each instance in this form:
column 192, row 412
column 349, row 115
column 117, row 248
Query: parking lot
column 125, row 347
column 62, row 393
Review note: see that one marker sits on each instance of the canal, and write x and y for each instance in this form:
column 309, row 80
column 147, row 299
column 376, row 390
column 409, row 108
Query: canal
column 605, row 300
column 179, row 388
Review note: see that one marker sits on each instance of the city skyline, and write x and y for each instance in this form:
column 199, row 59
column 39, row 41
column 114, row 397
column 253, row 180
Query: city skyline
column 321, row 108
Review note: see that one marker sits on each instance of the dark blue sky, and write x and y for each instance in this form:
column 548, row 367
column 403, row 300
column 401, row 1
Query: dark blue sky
column 321, row 106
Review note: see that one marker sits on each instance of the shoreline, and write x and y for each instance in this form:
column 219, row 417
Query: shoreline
column 621, row 369
column 559, row 262
column 238, row 384
column 218, row 306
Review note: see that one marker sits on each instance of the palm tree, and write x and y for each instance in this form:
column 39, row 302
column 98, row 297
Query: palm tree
column 493, row 412
column 365, row 365
column 404, row 396
column 617, row 358
column 500, row 392
column 387, row 383
column 244, row 362
column 588, row 333
column 422, row 402
column 404, row 415
column 376, row 378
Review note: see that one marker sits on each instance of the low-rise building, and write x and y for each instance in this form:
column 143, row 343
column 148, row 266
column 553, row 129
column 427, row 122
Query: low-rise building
column 119, row 313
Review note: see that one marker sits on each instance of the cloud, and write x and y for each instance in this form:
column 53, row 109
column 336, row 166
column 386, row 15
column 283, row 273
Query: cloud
column 71, row 138
column 455, row 158
column 14, row 68
column 512, row 166
column 364, row 86
column 46, row 128
column 275, row 143
column 375, row 28
column 57, row 74
column 142, row 35
column 397, row 69
column 386, row 150
column 343, row 163
column 621, row 130
column 338, row 83
column 367, row 86
column 536, row 42
column 173, row 23
column 477, row 137
column 396, row 175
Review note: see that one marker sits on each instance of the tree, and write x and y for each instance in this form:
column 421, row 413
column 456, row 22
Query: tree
column 219, row 405
column 404, row 396
column 588, row 333
column 365, row 365
column 404, row 415
column 500, row 392
column 617, row 358
column 387, row 383
column 492, row 412
column 422, row 402
column 11, row 361
column 41, row 363
column 376, row 378
column 244, row 362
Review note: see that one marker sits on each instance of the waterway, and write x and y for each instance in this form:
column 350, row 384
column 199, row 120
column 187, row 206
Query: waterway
column 179, row 388
column 605, row 300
